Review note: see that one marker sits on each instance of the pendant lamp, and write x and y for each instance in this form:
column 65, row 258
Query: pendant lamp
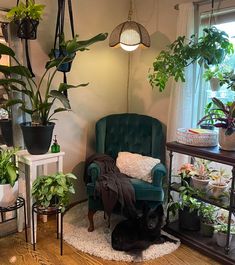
column 129, row 34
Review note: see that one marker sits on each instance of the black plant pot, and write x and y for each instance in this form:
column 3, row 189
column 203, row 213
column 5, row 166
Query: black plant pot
column 207, row 126
column 207, row 230
column 27, row 28
column 37, row 139
column 189, row 220
column 64, row 67
column 7, row 134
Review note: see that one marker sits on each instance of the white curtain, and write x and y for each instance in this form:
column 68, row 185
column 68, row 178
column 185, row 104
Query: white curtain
column 183, row 107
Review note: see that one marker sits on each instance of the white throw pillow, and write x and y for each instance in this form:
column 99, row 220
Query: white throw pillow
column 136, row 165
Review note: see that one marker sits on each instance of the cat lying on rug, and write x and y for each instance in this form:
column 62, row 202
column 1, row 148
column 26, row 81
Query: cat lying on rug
column 141, row 232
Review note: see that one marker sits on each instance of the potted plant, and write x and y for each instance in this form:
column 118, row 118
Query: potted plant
column 38, row 132
column 221, row 234
column 26, row 16
column 8, row 177
column 208, row 219
column 53, row 190
column 210, row 49
column 187, row 207
column 201, row 175
column 219, row 183
column 185, row 172
column 223, row 114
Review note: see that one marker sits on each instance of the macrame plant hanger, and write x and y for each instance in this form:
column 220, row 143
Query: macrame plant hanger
column 27, row 49
column 60, row 29
column 212, row 17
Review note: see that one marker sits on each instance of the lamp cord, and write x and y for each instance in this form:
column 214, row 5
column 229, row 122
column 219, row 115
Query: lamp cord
column 128, row 81
column 130, row 11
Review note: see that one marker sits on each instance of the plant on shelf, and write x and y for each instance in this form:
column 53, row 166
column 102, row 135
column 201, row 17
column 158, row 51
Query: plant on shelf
column 8, row 177
column 208, row 219
column 187, row 207
column 26, row 16
column 210, row 49
column 223, row 115
column 221, row 234
column 219, row 184
column 53, row 190
column 186, row 171
column 40, row 98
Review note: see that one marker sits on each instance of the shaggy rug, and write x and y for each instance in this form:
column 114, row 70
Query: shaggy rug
column 98, row 242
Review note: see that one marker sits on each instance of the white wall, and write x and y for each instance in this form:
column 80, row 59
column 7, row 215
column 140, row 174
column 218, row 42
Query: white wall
column 105, row 69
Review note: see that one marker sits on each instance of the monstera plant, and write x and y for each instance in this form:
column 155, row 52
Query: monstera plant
column 39, row 97
column 210, row 49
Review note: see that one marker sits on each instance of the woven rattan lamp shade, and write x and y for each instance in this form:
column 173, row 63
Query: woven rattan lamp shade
column 129, row 35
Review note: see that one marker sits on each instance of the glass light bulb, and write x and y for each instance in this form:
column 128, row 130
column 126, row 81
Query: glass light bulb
column 129, row 40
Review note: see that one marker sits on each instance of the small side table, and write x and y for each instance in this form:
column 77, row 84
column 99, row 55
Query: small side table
column 20, row 202
column 36, row 210
column 33, row 165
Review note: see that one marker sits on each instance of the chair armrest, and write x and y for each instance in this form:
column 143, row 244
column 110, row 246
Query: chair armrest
column 93, row 171
column 158, row 173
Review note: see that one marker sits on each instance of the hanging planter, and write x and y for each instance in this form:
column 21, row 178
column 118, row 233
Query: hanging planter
column 26, row 17
column 61, row 53
column 27, row 28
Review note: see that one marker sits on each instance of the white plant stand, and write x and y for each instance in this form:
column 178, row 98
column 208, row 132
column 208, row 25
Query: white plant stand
column 33, row 166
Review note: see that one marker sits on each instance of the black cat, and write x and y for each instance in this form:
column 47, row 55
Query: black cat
column 140, row 232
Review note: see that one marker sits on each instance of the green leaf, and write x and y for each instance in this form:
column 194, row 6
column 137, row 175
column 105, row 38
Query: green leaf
column 19, row 70
column 12, row 174
column 5, row 50
column 12, row 102
column 8, row 81
column 61, row 97
column 64, row 86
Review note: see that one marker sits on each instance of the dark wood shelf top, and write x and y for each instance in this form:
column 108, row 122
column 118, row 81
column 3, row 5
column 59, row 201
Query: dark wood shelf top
column 209, row 153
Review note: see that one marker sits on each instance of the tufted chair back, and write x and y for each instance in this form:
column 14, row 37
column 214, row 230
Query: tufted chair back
column 132, row 133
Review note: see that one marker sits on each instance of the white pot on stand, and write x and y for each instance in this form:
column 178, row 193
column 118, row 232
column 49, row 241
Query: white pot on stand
column 226, row 142
column 217, row 189
column 215, row 84
column 200, row 183
column 8, row 194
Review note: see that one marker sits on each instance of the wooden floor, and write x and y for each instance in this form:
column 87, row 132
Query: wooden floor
column 14, row 250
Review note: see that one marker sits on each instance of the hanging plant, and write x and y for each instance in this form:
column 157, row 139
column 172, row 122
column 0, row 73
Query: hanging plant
column 26, row 16
column 210, row 49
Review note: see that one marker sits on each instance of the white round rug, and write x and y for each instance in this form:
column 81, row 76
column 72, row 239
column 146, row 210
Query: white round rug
column 98, row 242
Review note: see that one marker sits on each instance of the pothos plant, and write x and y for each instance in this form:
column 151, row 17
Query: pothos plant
column 40, row 94
column 210, row 49
column 53, row 190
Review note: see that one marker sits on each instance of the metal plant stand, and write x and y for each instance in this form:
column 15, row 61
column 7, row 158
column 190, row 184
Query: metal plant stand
column 38, row 210
column 20, row 202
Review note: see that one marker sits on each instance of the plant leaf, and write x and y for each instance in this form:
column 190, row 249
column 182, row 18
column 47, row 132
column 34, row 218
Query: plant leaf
column 61, row 97
column 5, row 50
column 64, row 86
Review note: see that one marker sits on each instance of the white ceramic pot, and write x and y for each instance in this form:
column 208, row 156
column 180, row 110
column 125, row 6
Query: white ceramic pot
column 221, row 239
column 200, row 184
column 8, row 194
column 216, row 189
column 226, row 142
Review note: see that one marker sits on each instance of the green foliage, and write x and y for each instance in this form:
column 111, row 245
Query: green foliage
column 186, row 193
column 208, row 213
column 223, row 228
column 57, row 186
column 8, row 169
column 32, row 10
column 222, row 114
column 39, row 104
column 210, row 49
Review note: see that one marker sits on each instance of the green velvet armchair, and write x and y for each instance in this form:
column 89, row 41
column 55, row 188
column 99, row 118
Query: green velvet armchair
column 131, row 133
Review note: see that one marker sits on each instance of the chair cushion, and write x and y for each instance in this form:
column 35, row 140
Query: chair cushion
column 143, row 190
column 136, row 165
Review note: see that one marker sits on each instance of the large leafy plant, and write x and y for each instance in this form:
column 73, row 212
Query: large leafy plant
column 222, row 114
column 53, row 190
column 41, row 100
column 8, row 169
column 209, row 49
column 31, row 10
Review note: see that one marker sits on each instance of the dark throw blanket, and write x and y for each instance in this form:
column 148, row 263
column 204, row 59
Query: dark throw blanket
column 112, row 186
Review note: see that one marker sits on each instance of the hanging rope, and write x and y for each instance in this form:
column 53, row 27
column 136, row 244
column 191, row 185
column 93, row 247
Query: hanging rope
column 59, row 33
column 212, row 17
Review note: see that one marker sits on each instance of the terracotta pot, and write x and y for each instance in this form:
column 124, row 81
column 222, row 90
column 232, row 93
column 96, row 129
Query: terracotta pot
column 8, row 194
column 226, row 142
column 200, row 184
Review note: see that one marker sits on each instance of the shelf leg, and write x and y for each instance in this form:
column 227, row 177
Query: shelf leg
column 169, row 188
column 227, row 247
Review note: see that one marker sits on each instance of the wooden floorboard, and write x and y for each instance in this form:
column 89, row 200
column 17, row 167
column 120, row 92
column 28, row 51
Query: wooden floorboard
column 14, row 250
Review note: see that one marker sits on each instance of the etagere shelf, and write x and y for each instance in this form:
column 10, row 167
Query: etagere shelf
column 194, row 239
